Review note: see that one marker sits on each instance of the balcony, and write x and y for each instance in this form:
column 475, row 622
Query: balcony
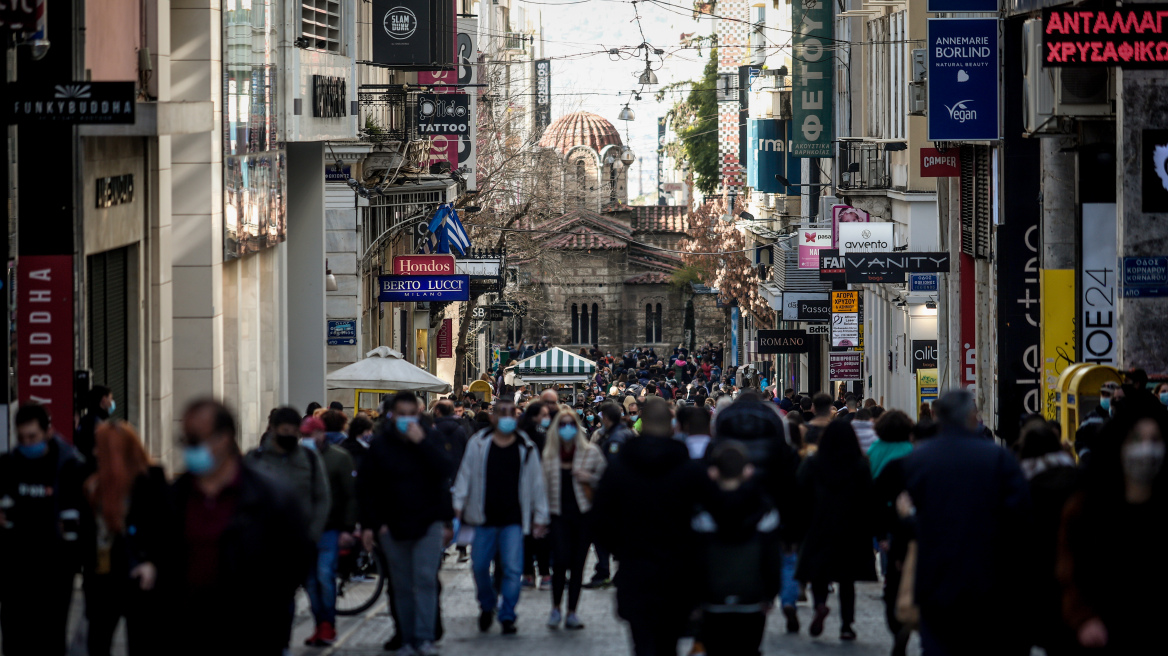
column 515, row 41
column 864, row 165
column 388, row 113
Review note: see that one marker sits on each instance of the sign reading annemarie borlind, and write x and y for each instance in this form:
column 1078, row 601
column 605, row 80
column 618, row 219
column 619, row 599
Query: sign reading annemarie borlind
column 963, row 79
column 813, row 49
column 423, row 288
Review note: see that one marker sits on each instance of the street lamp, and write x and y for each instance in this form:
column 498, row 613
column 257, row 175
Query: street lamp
column 628, row 156
column 783, row 181
column 626, row 114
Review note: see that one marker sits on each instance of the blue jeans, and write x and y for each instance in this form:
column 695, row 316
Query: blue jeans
column 789, row 590
column 321, row 585
column 508, row 542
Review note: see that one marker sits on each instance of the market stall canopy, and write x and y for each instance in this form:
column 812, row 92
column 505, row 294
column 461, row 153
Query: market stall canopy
column 555, row 365
column 385, row 369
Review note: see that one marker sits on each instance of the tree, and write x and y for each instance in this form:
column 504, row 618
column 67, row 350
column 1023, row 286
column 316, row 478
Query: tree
column 696, row 124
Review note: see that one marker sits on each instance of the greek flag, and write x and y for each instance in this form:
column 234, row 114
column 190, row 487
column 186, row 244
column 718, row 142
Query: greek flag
column 447, row 231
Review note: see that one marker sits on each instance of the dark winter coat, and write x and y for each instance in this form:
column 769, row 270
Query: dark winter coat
column 452, row 439
column 841, row 510
column 145, row 535
column 403, row 485
column 340, row 468
column 740, row 553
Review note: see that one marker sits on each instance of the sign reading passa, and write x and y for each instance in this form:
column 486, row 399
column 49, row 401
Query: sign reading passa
column 783, row 341
column 806, row 306
column 1135, row 36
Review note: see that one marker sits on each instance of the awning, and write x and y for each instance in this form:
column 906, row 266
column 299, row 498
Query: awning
column 384, row 369
column 555, row 365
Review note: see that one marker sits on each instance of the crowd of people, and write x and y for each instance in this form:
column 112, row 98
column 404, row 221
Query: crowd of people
column 713, row 513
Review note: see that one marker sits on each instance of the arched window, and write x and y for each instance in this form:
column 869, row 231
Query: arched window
column 581, row 182
column 583, row 324
column 648, row 323
column 595, row 324
column 612, row 184
column 657, row 325
column 575, row 325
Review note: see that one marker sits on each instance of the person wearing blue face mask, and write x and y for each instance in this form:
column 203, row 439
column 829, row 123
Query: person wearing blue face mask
column 230, row 521
column 40, row 501
column 537, row 554
column 500, row 491
column 100, row 405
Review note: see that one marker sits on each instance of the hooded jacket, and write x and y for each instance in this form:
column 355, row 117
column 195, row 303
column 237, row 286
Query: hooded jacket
column 403, row 485
column 470, row 486
column 303, row 473
column 740, row 550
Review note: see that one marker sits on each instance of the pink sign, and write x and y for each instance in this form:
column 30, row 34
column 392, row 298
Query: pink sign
column 845, row 214
column 810, row 243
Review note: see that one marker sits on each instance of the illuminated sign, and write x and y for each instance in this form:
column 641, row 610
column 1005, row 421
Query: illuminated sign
column 1128, row 37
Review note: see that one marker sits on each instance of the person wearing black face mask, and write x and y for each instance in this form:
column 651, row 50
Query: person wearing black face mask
column 40, row 498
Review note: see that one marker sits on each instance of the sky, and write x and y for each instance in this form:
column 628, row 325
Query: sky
column 576, row 35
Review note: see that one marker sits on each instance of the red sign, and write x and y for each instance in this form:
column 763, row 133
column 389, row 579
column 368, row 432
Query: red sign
column 446, row 339
column 423, row 265
column 935, row 164
column 44, row 331
column 1128, row 37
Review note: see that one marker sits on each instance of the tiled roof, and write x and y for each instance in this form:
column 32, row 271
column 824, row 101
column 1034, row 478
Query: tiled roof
column 580, row 240
column 580, row 129
column 659, row 218
column 651, row 278
column 582, row 229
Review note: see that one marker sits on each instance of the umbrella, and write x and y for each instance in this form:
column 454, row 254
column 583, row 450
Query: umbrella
column 385, row 369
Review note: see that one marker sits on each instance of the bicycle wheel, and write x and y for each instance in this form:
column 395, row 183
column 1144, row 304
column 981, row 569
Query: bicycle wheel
column 360, row 580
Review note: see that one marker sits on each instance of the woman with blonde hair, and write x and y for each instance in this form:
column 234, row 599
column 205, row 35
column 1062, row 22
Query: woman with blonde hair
column 124, row 537
column 572, row 466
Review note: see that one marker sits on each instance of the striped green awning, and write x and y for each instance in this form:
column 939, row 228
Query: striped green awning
column 555, row 361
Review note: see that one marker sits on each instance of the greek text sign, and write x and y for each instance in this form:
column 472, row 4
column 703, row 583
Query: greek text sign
column 845, row 366
column 845, row 301
column 813, row 49
column 1135, row 36
column 423, row 288
column 1145, row 277
column 342, row 332
column 963, row 79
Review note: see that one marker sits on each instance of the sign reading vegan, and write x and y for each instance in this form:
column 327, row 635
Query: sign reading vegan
column 1135, row 36
column 73, row 103
column 963, row 79
column 783, row 341
column 401, row 32
column 423, row 288
column 423, row 265
column 443, row 113
column 813, row 46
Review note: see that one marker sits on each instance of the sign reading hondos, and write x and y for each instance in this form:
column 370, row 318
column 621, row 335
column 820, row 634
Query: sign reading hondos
column 865, row 237
column 813, row 46
column 423, row 265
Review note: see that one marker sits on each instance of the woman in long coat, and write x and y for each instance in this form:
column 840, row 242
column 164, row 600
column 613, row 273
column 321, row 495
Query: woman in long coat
column 835, row 486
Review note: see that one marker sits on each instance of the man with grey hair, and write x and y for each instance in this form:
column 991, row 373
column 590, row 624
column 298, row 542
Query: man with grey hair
column 972, row 503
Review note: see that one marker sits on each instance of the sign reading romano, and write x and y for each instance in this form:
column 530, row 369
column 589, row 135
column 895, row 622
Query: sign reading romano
column 423, row 265
column 1135, row 36
column 783, row 341
column 423, row 288
column 813, row 48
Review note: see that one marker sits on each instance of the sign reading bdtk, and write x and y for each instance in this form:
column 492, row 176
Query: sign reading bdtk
column 783, row 341
column 423, row 288
column 1145, row 277
column 963, row 79
column 1129, row 37
column 72, row 103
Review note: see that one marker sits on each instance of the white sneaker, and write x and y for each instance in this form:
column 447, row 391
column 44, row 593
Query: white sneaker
column 555, row 618
column 407, row 650
column 573, row 622
column 427, row 649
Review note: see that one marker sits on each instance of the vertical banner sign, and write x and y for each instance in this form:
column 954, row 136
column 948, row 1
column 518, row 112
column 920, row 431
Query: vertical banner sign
column 1057, row 289
column 813, row 48
column 963, row 79
column 767, row 155
column 543, row 94
column 44, row 332
column 467, row 56
column 968, row 324
column 1019, row 314
column 660, row 159
column 1097, row 285
column 734, row 315
column 445, row 339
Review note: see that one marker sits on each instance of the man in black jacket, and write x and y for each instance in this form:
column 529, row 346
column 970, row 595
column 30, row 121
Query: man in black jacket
column 610, row 440
column 450, row 433
column 229, row 522
column 642, row 512
column 403, row 493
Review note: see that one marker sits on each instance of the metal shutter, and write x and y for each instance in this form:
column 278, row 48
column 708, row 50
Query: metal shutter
column 108, row 325
column 975, row 201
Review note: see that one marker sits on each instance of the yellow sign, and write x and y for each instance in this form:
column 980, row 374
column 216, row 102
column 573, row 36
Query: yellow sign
column 1057, row 291
column 928, row 385
column 845, row 301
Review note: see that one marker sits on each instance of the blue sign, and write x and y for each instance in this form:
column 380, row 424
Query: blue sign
column 923, row 282
column 962, row 6
column 734, row 314
column 331, row 174
column 963, row 79
column 423, row 288
column 1145, row 277
column 767, row 142
column 342, row 332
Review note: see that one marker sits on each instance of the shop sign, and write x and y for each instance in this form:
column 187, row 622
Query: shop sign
column 845, row 366
column 423, row 288
column 865, row 237
column 935, row 164
column 923, row 282
column 444, row 113
column 44, row 336
column 115, row 190
column 810, row 243
column 963, row 79
column 401, row 32
column 478, row 267
column 342, row 332
column 72, row 103
column 1145, row 277
column 1097, row 283
column 424, row 265
column 845, row 329
column 845, row 301
column 1135, row 36
column 965, row 6
column 831, row 265
column 813, row 46
column 446, row 339
column 543, row 94
column 783, row 341
column 806, row 306
column 818, row 329
column 924, row 354
column 767, row 155
column 845, row 214
column 878, row 267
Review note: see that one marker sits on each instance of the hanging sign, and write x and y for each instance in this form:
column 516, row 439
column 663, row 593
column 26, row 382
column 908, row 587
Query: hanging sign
column 892, row 267
column 424, row 265
column 963, row 79
column 784, row 341
column 814, row 49
column 831, row 265
column 845, row 366
column 841, row 214
column 543, row 94
column 423, row 288
column 1134, row 36
column 810, row 243
column 845, row 301
column 865, row 237
column 73, row 103
column 935, row 164
column 818, row 329
column 401, row 32
column 806, row 306
column 44, row 336
column 443, row 113
column 342, row 332
column 924, row 354
column 845, row 329
column 446, row 339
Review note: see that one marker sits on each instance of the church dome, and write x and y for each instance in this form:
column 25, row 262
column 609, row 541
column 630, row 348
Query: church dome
column 580, row 129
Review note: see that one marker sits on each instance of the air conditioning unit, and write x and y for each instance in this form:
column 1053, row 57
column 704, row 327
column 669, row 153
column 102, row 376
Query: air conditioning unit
column 918, row 99
column 1052, row 94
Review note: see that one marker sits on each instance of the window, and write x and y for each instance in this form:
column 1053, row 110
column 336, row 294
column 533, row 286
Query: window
column 887, row 61
column 648, row 323
column 975, row 201
column 657, row 325
column 581, row 183
column 320, row 24
column 612, row 184
column 575, row 325
column 585, row 328
column 652, row 323
column 583, row 324
column 595, row 324
column 515, row 332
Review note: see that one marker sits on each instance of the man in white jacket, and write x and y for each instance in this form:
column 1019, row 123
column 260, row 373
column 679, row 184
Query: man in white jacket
column 500, row 492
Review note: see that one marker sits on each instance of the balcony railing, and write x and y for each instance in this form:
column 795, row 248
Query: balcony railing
column 515, row 41
column 863, row 165
column 388, row 113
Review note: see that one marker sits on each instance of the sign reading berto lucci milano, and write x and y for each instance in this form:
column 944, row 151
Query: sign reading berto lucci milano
column 423, row 288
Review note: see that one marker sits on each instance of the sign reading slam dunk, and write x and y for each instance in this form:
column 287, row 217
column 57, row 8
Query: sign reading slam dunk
column 813, row 47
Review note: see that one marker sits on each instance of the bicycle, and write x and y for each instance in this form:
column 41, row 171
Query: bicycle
column 361, row 578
